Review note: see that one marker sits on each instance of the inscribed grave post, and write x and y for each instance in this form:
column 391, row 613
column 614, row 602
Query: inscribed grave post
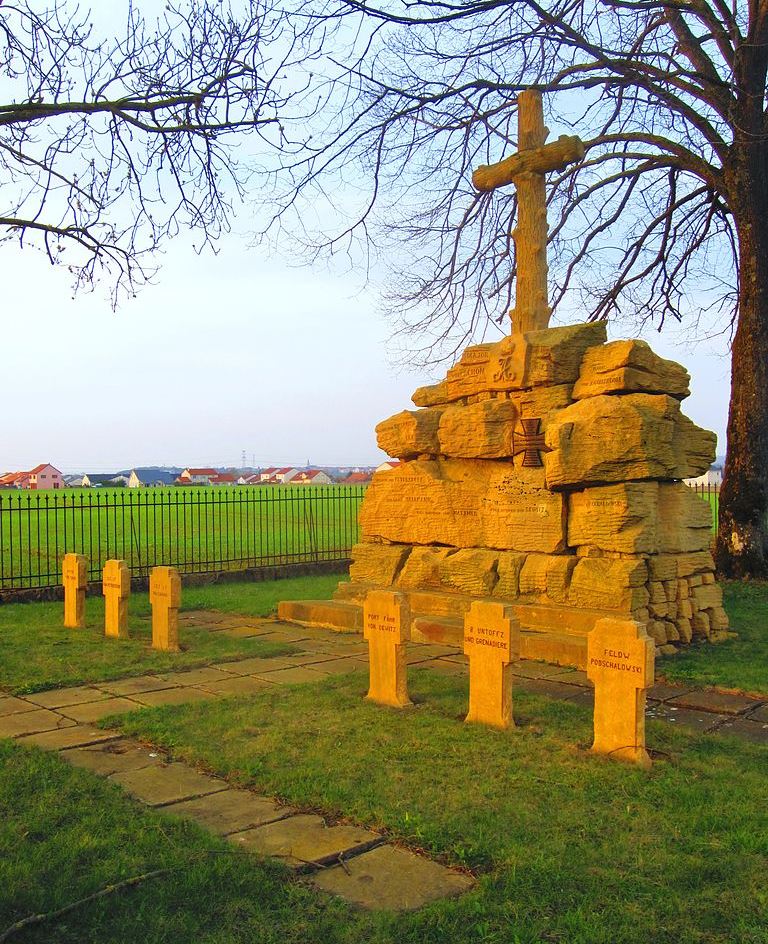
column 386, row 626
column 74, row 576
column 116, row 587
column 620, row 665
column 165, row 598
column 491, row 643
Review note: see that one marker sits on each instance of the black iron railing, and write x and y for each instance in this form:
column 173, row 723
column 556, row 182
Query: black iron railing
column 197, row 530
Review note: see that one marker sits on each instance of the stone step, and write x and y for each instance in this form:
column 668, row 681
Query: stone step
column 557, row 648
column 329, row 614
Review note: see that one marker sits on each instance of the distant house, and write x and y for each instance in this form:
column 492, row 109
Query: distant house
column 253, row 478
column 357, row 478
column 712, row 477
column 73, row 481
column 389, row 464
column 311, row 477
column 150, row 478
column 275, row 476
column 197, row 476
column 223, row 478
column 42, row 476
column 98, row 480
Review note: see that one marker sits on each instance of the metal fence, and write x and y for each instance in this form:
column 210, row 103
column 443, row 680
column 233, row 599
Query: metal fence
column 197, row 530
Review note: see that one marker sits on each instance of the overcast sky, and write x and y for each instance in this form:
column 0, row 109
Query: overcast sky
column 224, row 354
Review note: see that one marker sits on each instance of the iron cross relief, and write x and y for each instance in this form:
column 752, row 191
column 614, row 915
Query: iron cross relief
column 531, row 443
column 526, row 171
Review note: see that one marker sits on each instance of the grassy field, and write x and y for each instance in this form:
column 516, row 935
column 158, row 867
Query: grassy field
column 37, row 653
column 194, row 529
column 567, row 847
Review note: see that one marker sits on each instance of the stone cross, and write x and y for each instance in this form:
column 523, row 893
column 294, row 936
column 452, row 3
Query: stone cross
column 116, row 587
column 620, row 665
column 526, row 171
column 387, row 627
column 491, row 643
column 165, row 598
column 74, row 576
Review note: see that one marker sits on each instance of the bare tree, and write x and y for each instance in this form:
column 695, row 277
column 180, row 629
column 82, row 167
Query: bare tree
column 109, row 146
column 665, row 217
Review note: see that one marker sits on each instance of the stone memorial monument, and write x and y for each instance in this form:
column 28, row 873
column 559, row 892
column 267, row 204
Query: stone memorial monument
column 491, row 643
column 74, row 576
column 116, row 587
column 621, row 667
column 386, row 626
column 544, row 472
column 165, row 599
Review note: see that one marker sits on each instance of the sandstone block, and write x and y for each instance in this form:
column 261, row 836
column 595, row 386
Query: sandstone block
column 695, row 563
column 718, row 619
column 633, row 437
column 480, row 431
column 639, row 518
column 377, row 563
column 662, row 566
column 464, row 503
column 550, row 356
column 508, row 569
column 629, row 367
column 607, row 584
column 432, row 395
column 708, row 596
column 464, row 571
column 684, row 628
column 701, row 625
column 410, row 433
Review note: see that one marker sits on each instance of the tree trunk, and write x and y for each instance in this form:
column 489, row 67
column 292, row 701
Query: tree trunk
column 742, row 543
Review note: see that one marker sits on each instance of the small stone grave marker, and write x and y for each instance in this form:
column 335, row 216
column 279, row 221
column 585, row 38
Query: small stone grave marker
column 74, row 576
column 620, row 665
column 165, row 598
column 387, row 627
column 116, row 587
column 491, row 643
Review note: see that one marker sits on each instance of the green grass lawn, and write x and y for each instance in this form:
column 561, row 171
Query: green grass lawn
column 37, row 653
column 65, row 834
column 194, row 529
column 740, row 663
column 567, row 846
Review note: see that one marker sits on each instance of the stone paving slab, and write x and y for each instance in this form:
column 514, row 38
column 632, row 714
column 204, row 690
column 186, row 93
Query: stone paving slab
column 548, row 687
column 11, row 705
column 662, row 691
column 388, row 878
column 96, row 710
column 244, row 632
column 197, row 676
column 293, row 676
column 168, row 783
column 137, row 685
column 338, row 666
column 744, row 728
column 721, row 703
column 538, row 670
column 759, row 714
column 237, row 686
column 573, row 677
column 173, row 696
column 230, row 811
column 118, row 756
column 60, row 739
column 61, row 697
column 32, row 722
column 443, row 666
column 700, row 721
column 310, row 657
column 258, row 664
column 305, row 840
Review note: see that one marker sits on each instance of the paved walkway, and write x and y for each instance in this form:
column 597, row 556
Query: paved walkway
column 355, row 863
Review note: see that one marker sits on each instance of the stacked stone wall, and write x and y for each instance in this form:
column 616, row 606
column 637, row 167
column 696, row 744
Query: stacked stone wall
column 546, row 470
